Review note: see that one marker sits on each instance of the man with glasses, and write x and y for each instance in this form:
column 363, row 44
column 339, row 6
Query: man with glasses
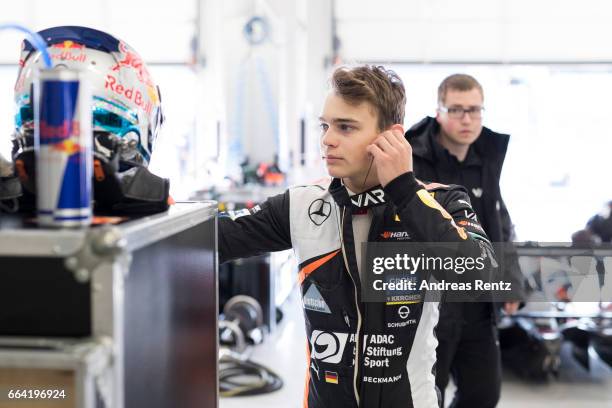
column 454, row 148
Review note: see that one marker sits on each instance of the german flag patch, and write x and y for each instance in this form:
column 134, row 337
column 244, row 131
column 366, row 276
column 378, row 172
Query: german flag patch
column 331, row 377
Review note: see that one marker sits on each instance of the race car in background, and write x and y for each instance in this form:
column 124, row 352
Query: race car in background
column 569, row 300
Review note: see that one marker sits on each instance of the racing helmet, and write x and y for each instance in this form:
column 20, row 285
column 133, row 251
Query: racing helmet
column 126, row 112
column 126, row 102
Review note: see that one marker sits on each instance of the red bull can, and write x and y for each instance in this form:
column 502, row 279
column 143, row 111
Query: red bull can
column 63, row 142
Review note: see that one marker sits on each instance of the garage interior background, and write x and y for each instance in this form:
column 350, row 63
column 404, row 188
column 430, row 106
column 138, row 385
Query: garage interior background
column 545, row 67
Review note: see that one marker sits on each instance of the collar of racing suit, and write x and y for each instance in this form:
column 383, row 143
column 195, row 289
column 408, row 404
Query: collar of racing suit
column 373, row 197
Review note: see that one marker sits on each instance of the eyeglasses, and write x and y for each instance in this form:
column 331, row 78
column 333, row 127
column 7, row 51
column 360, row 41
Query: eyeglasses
column 457, row 112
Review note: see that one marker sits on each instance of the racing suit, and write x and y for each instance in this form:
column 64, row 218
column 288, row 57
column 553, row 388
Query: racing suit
column 359, row 354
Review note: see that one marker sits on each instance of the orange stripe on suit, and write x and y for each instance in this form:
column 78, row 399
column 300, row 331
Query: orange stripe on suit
column 310, row 268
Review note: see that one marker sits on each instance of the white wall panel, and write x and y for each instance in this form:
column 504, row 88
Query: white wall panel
column 491, row 30
column 418, row 41
column 416, row 9
column 577, row 42
column 160, row 30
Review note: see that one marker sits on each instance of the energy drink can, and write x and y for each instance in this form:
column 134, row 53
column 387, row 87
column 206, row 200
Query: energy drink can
column 63, row 144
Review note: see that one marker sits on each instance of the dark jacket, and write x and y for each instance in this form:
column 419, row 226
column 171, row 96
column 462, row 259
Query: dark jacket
column 601, row 224
column 359, row 354
column 491, row 148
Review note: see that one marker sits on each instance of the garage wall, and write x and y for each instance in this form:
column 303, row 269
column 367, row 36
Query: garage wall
column 499, row 31
column 161, row 30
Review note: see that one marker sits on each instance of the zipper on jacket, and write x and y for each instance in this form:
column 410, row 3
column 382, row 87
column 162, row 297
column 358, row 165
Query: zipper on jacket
column 356, row 366
column 346, row 318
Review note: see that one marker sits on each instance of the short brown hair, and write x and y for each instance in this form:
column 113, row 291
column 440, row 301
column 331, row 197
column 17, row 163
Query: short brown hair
column 381, row 87
column 458, row 82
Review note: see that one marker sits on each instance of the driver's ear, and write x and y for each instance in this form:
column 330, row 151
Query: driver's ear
column 398, row 127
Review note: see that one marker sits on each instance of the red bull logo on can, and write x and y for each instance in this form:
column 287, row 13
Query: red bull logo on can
column 64, row 130
column 68, row 146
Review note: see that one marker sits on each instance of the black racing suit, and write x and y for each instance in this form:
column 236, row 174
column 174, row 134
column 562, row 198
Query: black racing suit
column 359, row 354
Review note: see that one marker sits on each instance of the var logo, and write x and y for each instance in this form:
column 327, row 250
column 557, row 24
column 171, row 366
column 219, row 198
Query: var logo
column 327, row 346
column 373, row 197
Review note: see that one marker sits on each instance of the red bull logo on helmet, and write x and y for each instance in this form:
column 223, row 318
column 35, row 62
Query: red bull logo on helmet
column 131, row 94
column 146, row 97
column 68, row 45
column 68, row 56
column 132, row 60
column 68, row 51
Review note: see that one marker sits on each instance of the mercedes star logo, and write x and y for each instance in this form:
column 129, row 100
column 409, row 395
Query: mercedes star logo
column 319, row 211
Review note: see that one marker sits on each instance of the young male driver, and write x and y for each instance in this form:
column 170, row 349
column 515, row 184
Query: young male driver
column 359, row 354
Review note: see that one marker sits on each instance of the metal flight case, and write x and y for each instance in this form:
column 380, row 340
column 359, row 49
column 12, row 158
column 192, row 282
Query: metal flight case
column 116, row 316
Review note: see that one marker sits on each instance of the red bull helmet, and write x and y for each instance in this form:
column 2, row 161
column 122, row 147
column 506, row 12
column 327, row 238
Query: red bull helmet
column 126, row 110
column 127, row 103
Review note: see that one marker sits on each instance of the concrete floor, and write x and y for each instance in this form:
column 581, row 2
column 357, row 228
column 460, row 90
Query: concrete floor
column 284, row 352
